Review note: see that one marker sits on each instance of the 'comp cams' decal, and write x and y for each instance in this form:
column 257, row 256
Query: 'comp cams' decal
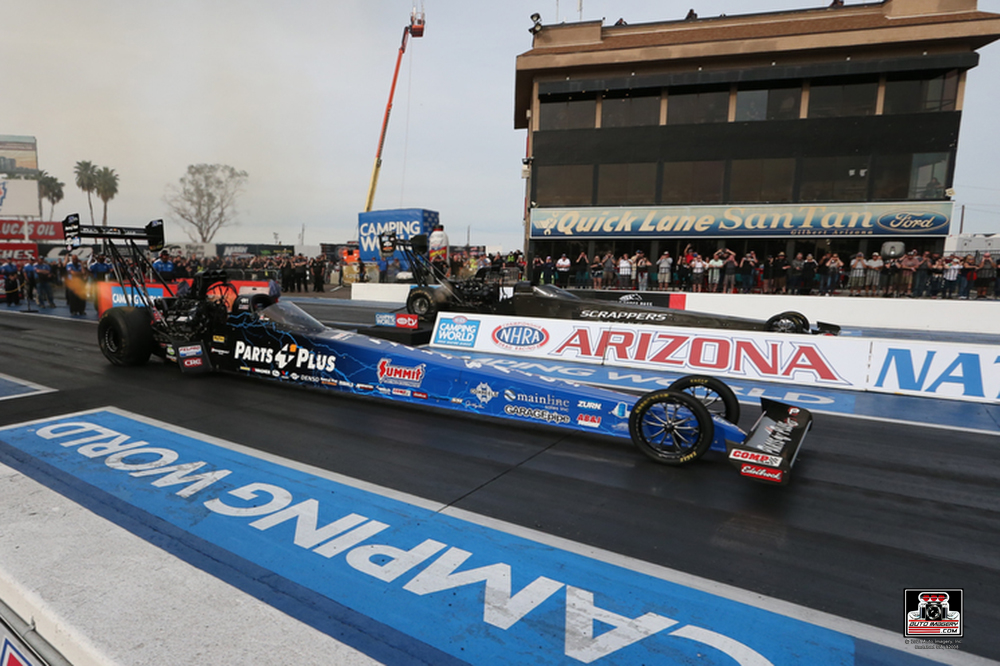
column 481, row 595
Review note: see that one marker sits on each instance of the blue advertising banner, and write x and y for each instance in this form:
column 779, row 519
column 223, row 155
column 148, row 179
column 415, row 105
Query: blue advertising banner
column 383, row 569
column 404, row 222
column 907, row 218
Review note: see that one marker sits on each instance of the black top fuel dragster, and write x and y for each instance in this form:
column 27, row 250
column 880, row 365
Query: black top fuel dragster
column 209, row 327
column 487, row 293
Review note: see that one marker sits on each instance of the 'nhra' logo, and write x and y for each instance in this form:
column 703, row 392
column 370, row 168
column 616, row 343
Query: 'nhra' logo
column 398, row 374
column 520, row 336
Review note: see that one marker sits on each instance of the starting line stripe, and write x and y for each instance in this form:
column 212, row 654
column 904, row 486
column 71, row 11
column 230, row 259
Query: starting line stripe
column 394, row 575
column 14, row 387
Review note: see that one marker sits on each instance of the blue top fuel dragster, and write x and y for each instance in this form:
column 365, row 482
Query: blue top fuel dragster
column 202, row 330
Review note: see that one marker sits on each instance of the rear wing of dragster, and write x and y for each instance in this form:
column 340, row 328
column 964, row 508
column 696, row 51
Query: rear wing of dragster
column 152, row 233
column 132, row 266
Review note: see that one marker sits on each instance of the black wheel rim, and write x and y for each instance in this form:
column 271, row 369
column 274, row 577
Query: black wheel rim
column 421, row 305
column 713, row 402
column 670, row 429
column 112, row 341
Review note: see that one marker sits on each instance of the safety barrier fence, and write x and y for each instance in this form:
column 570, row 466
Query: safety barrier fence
column 968, row 372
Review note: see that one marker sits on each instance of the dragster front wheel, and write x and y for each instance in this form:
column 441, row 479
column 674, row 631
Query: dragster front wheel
column 671, row 427
column 125, row 335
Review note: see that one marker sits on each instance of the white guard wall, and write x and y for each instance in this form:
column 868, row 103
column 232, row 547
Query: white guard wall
column 904, row 313
column 940, row 370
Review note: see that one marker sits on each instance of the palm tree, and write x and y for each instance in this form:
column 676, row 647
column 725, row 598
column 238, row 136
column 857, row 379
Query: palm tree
column 106, row 185
column 86, row 173
column 51, row 189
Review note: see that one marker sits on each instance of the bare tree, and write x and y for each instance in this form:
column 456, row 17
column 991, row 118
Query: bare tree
column 206, row 199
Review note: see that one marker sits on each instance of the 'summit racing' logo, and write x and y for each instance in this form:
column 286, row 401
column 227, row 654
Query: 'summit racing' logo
column 401, row 375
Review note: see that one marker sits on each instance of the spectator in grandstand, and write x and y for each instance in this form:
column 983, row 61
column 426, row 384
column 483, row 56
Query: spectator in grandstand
column 952, row 268
column 729, row 269
column 908, row 268
column 625, row 272
column 966, row 276
column 780, row 273
column 581, row 270
column 715, row 270
column 663, row 267
column 873, row 274
column 597, row 271
column 794, row 274
column 563, row 265
column 986, row 276
column 831, row 279
column 642, row 266
column 698, row 269
column 748, row 272
column 809, row 268
column 856, row 278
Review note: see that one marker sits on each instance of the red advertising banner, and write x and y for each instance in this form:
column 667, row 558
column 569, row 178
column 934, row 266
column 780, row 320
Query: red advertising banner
column 37, row 231
column 19, row 252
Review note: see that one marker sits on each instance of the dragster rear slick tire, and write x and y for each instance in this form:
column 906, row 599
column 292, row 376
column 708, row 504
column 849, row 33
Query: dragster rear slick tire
column 713, row 393
column 126, row 336
column 671, row 427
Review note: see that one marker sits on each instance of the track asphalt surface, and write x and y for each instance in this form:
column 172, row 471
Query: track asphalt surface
column 875, row 506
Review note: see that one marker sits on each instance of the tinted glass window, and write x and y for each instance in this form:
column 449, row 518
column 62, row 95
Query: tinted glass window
column 916, row 94
column 762, row 180
column 631, row 111
column 768, row 104
column 920, row 176
column 693, row 107
column 626, row 184
column 693, row 182
column 929, row 175
column 834, row 179
column 571, row 185
column 892, row 177
column 567, row 114
column 831, row 100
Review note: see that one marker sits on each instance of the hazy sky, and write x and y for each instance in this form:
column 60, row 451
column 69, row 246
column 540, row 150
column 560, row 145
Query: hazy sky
column 294, row 92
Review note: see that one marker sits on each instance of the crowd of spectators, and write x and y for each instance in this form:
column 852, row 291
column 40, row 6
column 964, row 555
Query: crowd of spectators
column 913, row 274
column 35, row 280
